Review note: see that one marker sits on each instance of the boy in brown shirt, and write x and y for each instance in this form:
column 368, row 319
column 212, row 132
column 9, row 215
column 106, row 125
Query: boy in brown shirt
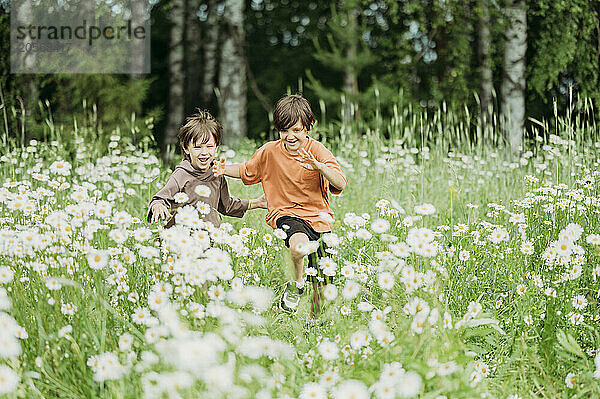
column 297, row 173
column 193, row 181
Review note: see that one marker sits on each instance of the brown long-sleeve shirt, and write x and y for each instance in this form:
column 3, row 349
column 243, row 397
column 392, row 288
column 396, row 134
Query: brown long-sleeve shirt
column 185, row 178
column 292, row 190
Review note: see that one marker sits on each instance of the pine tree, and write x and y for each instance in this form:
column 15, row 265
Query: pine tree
column 348, row 54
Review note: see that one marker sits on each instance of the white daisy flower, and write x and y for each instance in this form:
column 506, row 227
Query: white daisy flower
column 181, row 197
column 498, row 235
column 363, row 234
column 464, row 255
column 330, row 292
column 9, row 380
column 279, row 233
column 66, row 330
column 400, row 249
column 351, row 389
column 527, row 247
column 447, row 368
column 571, row 380
column 386, row 280
column 313, row 390
column 425, row 209
column 60, row 167
column 53, row 284
column 331, row 240
column 142, row 234
column 474, row 309
column 202, row 190
column 563, row 247
column 593, row 239
column 97, row 259
column 326, row 217
column 351, row 289
column 328, row 350
column 6, row 274
column 68, row 309
column 579, row 302
column 482, row 368
column 380, row 226
column 203, row 208
column 409, row 384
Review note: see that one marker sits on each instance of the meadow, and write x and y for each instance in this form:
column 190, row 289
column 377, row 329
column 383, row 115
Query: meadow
column 459, row 272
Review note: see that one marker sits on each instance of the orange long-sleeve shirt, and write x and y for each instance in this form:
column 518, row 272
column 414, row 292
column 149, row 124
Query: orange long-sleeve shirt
column 291, row 189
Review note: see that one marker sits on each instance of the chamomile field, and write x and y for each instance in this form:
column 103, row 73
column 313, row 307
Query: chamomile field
column 459, row 272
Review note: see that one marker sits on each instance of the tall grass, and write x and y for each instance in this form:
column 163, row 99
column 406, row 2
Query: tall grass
column 415, row 157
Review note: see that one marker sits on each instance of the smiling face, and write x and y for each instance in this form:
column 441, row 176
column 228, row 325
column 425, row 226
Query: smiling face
column 202, row 154
column 294, row 138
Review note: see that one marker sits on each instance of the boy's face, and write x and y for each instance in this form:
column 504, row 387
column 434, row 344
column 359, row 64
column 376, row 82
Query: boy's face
column 294, row 138
column 202, row 155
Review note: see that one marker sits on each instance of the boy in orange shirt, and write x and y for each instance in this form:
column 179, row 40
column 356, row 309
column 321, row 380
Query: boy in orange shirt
column 297, row 173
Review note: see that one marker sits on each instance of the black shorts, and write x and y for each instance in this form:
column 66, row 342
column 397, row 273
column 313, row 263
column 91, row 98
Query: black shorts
column 297, row 225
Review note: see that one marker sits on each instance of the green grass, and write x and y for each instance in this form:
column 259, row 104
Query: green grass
column 514, row 355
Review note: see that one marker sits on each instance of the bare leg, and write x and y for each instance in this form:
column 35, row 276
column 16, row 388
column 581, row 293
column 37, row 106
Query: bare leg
column 316, row 300
column 297, row 257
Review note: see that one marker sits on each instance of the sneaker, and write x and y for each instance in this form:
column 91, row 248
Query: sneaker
column 290, row 298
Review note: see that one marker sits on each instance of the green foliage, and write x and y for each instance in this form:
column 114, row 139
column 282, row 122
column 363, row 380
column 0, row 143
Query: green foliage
column 563, row 51
column 115, row 97
column 425, row 50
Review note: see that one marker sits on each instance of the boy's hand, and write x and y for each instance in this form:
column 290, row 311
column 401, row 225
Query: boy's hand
column 309, row 161
column 159, row 211
column 219, row 167
column 261, row 202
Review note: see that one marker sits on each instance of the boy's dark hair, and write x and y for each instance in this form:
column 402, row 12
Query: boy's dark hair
column 198, row 128
column 290, row 109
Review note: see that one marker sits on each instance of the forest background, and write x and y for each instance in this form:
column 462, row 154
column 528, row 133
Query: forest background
column 355, row 60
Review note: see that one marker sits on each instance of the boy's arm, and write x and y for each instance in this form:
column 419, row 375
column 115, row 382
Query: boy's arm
column 330, row 170
column 232, row 170
column 231, row 206
column 336, row 179
column 220, row 169
column 164, row 196
column 251, row 171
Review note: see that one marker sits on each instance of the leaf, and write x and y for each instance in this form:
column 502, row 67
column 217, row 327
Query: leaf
column 569, row 344
column 396, row 205
column 536, row 121
column 493, row 323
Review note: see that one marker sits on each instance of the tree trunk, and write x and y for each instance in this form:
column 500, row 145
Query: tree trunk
column 513, row 82
column 211, row 39
column 351, row 110
column 193, row 47
column 232, row 74
column 176, row 77
column 138, row 64
column 484, row 45
column 30, row 93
